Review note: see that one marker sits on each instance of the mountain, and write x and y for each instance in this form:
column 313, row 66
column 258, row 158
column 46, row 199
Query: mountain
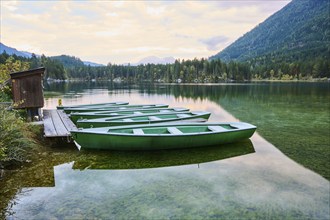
column 68, row 61
column 299, row 31
column 87, row 63
column 156, row 60
column 11, row 51
column 64, row 59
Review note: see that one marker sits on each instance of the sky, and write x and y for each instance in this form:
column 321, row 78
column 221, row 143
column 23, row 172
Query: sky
column 127, row 31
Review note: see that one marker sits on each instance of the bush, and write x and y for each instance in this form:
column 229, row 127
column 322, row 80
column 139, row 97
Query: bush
column 14, row 138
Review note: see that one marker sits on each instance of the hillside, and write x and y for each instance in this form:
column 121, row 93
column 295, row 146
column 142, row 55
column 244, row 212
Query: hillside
column 68, row 61
column 299, row 31
column 11, row 51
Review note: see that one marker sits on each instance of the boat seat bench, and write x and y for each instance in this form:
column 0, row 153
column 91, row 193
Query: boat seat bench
column 174, row 130
column 138, row 131
column 154, row 118
column 216, row 128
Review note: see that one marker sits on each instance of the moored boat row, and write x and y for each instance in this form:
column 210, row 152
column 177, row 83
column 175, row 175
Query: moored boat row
column 120, row 126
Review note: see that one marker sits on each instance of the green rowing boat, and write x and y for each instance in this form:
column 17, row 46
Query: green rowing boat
column 97, row 105
column 162, row 136
column 143, row 119
column 75, row 116
column 112, row 107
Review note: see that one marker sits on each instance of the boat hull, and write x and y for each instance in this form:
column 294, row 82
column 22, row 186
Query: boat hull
column 89, row 139
column 96, row 123
column 93, row 115
column 97, row 105
column 111, row 108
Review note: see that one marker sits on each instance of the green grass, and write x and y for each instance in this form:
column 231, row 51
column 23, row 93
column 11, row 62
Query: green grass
column 15, row 138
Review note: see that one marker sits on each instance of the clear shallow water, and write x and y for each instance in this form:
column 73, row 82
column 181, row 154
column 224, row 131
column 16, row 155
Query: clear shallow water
column 246, row 180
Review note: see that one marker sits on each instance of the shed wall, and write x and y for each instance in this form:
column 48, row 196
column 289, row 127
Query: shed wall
column 27, row 91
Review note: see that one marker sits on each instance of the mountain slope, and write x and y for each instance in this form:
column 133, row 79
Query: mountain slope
column 68, row 61
column 11, row 51
column 156, row 60
column 298, row 31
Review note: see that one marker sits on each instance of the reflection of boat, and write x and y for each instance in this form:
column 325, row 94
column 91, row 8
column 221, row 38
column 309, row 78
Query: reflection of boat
column 98, row 105
column 162, row 136
column 112, row 107
column 92, row 115
column 197, row 116
column 160, row 158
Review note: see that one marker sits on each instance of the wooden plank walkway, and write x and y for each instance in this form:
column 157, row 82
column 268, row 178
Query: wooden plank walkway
column 57, row 123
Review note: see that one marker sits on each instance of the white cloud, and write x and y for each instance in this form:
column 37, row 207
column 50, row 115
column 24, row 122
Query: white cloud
column 125, row 31
column 9, row 5
column 214, row 43
column 106, row 33
column 111, row 14
column 155, row 10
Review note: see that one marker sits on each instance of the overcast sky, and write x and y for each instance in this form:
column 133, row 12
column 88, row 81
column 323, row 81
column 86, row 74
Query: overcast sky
column 127, row 31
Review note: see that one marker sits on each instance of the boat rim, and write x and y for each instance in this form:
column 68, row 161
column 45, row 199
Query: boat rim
column 107, row 130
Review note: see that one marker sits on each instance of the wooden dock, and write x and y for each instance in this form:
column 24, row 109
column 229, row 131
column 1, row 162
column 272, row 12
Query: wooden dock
column 57, row 124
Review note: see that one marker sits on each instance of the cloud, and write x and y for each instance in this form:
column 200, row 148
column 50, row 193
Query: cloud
column 126, row 31
column 9, row 5
column 213, row 43
column 155, row 10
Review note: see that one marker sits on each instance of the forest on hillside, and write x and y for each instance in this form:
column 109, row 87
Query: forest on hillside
column 185, row 71
column 298, row 32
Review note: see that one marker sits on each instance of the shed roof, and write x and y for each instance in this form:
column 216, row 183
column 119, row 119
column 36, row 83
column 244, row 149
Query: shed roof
column 39, row 70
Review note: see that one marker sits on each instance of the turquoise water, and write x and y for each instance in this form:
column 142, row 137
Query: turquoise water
column 248, row 180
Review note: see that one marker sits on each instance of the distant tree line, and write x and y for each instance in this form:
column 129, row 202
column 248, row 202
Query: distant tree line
column 203, row 70
column 13, row 63
column 271, row 67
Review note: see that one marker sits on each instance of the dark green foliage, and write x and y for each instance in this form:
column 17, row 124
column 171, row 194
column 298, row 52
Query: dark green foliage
column 202, row 70
column 196, row 70
column 54, row 68
column 14, row 138
column 68, row 61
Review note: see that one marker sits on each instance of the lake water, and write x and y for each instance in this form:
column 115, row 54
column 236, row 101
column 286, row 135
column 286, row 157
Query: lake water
column 251, row 179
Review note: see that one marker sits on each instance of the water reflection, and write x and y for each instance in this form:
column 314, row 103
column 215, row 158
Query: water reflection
column 253, row 181
column 264, row 185
column 160, row 158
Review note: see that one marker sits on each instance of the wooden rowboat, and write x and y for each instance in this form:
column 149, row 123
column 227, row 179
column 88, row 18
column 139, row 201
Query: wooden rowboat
column 162, row 136
column 199, row 116
column 97, row 105
column 112, row 108
column 103, row 114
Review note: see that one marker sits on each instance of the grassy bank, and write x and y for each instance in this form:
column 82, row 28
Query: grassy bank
column 16, row 139
column 16, row 136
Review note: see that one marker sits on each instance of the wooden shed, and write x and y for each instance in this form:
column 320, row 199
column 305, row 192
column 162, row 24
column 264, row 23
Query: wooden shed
column 27, row 90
